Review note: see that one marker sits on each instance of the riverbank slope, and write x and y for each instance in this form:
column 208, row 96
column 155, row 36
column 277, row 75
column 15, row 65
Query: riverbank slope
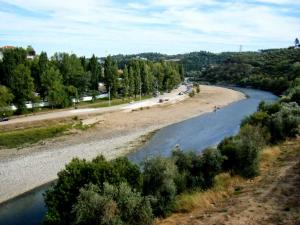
column 271, row 198
column 113, row 134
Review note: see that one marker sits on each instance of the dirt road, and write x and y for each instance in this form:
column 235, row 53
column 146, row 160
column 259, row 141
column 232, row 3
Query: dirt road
column 172, row 97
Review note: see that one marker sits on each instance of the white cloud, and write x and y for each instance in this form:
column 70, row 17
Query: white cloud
column 160, row 25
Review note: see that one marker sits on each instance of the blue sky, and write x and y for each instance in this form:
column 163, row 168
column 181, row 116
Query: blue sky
column 167, row 26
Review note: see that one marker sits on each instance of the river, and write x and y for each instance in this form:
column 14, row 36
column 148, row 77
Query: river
column 192, row 134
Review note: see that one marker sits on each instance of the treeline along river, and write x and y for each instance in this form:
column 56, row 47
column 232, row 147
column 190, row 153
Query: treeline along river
column 193, row 134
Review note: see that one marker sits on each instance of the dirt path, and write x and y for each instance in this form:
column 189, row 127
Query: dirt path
column 112, row 136
column 272, row 198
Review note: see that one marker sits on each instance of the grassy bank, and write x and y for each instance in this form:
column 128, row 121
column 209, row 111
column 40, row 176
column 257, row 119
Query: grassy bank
column 13, row 139
column 225, row 185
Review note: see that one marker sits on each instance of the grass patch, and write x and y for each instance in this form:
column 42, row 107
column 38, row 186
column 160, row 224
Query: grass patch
column 13, row 139
column 225, row 185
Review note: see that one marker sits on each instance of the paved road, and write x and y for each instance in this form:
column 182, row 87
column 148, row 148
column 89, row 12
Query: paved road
column 172, row 97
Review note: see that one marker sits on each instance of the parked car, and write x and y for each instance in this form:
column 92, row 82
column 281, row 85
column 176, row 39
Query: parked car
column 2, row 119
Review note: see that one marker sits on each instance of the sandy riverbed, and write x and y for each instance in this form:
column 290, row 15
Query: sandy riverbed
column 114, row 134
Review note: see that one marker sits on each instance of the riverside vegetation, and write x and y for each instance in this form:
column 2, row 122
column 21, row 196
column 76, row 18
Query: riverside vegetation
column 120, row 192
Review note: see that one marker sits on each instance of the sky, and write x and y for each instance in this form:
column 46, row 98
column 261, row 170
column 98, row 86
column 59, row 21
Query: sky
column 104, row 27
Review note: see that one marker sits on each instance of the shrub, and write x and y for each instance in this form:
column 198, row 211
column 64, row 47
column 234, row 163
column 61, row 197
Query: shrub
column 116, row 204
column 269, row 108
column 63, row 195
column 159, row 174
column 188, row 176
column 211, row 165
column 242, row 151
column 285, row 123
column 196, row 171
column 259, row 118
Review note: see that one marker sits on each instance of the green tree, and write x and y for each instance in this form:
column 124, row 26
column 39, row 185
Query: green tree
column 61, row 198
column 285, row 123
column 242, row 151
column 30, row 51
column 126, row 82
column 95, row 68
column 11, row 59
column 159, row 174
column 131, row 82
column 111, row 76
column 6, row 98
column 22, row 85
column 211, row 165
column 53, row 89
column 72, row 71
column 116, row 204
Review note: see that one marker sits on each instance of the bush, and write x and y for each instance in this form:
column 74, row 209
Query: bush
column 159, row 174
column 211, row 165
column 189, row 174
column 196, row 171
column 259, row 118
column 294, row 94
column 63, row 195
column 116, row 204
column 285, row 123
column 242, row 151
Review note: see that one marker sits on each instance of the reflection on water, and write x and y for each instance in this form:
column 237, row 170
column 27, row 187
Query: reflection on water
column 193, row 134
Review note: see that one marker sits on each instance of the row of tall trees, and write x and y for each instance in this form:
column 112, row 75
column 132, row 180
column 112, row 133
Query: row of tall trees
column 63, row 77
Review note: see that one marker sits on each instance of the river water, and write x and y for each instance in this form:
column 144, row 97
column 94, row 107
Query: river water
column 192, row 134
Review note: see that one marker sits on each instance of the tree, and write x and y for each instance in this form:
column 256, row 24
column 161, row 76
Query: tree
column 116, row 204
column 22, row 85
column 131, row 82
column 6, row 98
column 39, row 65
column 126, row 82
column 61, row 198
column 111, row 76
column 296, row 42
column 242, row 151
column 159, row 174
column 211, row 165
column 52, row 88
column 95, row 69
column 72, row 71
column 30, row 51
column 11, row 59
column 146, row 79
column 285, row 123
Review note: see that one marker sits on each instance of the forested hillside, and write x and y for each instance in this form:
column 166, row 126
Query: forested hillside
column 273, row 70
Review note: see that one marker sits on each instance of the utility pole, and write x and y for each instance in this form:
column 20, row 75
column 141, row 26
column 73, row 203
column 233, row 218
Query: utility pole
column 109, row 95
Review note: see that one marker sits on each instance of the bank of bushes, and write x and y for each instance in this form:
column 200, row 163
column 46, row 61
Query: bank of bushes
column 120, row 192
